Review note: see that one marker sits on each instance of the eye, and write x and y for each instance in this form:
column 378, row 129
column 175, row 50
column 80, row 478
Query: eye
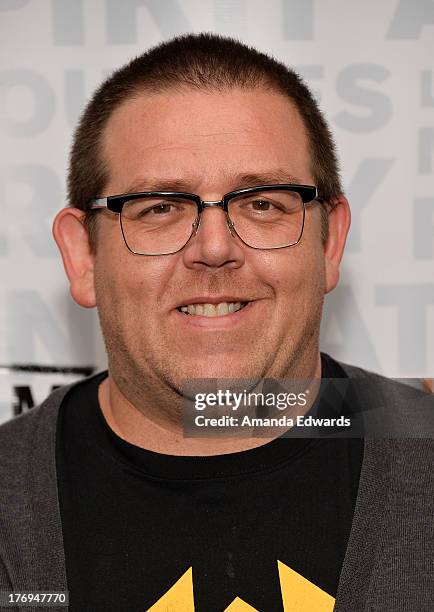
column 262, row 205
column 139, row 209
column 162, row 208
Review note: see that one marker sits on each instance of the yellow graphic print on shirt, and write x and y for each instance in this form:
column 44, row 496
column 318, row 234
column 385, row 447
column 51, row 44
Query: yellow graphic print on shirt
column 298, row 595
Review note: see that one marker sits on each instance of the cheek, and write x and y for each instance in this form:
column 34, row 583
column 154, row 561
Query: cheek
column 309, row 259
column 120, row 295
column 108, row 297
column 295, row 272
column 129, row 289
column 122, row 304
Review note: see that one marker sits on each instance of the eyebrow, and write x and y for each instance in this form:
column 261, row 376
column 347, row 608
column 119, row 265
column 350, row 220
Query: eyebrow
column 238, row 181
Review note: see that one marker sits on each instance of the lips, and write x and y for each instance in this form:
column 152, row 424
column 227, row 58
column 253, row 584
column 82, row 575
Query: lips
column 207, row 309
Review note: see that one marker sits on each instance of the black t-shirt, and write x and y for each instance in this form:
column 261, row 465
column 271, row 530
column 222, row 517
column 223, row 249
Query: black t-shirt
column 142, row 527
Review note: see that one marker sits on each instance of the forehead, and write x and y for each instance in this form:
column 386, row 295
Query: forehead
column 205, row 136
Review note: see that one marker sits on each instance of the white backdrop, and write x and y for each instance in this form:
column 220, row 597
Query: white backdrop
column 371, row 65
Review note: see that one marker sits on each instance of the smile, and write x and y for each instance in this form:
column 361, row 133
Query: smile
column 212, row 310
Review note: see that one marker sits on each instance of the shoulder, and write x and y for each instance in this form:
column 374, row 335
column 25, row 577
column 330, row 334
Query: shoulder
column 391, row 408
column 14, row 433
column 20, row 436
column 378, row 382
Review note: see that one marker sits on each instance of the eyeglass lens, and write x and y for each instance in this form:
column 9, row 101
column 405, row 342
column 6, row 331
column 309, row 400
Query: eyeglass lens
column 163, row 225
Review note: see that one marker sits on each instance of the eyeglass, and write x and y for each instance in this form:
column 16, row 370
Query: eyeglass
column 162, row 222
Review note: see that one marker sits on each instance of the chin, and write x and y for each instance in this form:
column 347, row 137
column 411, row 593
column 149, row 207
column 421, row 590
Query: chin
column 221, row 369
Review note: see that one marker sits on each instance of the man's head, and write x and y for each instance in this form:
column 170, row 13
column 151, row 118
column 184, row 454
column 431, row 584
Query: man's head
column 206, row 63
column 211, row 113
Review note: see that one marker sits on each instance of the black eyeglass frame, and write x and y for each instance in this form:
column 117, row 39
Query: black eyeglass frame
column 115, row 204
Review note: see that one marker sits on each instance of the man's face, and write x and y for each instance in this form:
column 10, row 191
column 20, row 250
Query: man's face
column 209, row 141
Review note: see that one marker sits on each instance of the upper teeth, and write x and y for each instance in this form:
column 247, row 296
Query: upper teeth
column 212, row 310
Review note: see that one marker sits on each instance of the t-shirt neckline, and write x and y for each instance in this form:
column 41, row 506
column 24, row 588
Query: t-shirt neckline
column 149, row 463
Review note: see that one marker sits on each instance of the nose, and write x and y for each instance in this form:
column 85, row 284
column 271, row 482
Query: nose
column 214, row 242
column 216, row 204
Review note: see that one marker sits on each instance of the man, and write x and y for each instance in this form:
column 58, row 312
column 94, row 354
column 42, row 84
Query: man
column 212, row 261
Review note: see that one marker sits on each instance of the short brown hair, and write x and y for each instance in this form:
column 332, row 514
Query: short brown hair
column 208, row 62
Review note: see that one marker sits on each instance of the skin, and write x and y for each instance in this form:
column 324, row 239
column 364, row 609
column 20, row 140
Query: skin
column 428, row 384
column 207, row 139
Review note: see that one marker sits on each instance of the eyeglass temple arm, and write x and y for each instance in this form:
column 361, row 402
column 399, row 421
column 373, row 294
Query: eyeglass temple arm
column 329, row 204
column 99, row 203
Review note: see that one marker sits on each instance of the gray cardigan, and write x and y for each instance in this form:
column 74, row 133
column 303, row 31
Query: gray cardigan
column 388, row 566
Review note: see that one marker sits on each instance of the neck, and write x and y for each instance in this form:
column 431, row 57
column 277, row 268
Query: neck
column 164, row 434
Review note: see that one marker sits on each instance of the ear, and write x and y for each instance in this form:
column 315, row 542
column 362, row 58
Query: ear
column 78, row 260
column 339, row 224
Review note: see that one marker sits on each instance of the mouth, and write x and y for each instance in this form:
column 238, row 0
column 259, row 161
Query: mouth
column 212, row 310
